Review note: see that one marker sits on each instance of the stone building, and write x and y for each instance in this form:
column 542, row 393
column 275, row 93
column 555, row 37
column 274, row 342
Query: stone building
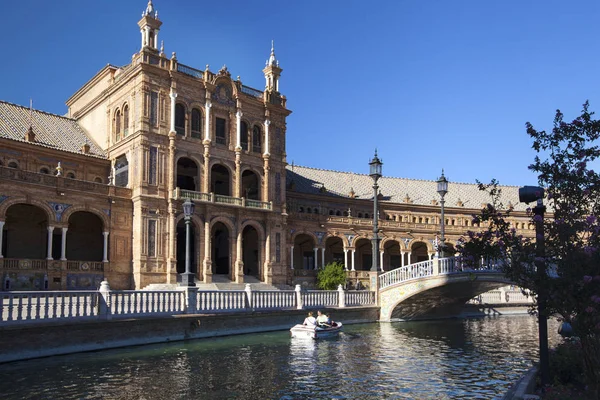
column 98, row 193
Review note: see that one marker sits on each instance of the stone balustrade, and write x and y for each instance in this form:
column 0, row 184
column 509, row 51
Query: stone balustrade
column 17, row 308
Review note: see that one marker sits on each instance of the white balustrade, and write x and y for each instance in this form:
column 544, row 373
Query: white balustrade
column 360, row 298
column 35, row 306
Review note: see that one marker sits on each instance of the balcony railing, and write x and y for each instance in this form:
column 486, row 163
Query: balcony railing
column 179, row 194
column 251, row 91
column 196, row 73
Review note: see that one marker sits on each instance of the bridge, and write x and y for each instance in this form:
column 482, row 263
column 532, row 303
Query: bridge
column 433, row 288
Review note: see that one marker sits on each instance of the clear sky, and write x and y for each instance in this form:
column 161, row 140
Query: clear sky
column 430, row 84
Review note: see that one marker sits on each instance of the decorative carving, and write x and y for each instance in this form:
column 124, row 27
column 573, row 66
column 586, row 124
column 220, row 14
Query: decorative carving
column 59, row 209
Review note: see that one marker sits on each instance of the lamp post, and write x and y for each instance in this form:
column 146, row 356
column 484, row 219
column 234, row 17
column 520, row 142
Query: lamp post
column 187, row 278
column 375, row 173
column 528, row 194
column 442, row 189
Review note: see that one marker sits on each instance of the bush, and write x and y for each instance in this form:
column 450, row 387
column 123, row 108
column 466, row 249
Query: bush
column 330, row 277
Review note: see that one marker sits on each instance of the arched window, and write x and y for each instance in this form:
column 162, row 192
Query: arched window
column 70, row 175
column 256, row 140
column 44, row 170
column 244, row 135
column 345, row 213
column 366, row 215
column 308, row 210
column 180, row 119
column 301, row 209
column 98, row 180
column 13, row 164
column 359, row 215
column 117, row 125
column 338, row 213
column 196, row 123
column 330, row 212
column 125, row 120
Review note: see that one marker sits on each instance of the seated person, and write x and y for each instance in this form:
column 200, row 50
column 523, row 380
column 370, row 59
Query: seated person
column 310, row 320
column 323, row 320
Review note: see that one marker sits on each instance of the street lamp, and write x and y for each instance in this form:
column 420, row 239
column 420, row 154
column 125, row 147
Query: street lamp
column 528, row 194
column 187, row 278
column 442, row 189
column 375, row 173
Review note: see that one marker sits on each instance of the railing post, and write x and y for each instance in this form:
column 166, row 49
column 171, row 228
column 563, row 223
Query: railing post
column 503, row 295
column 104, row 301
column 299, row 304
column 212, row 197
column 243, row 202
column 248, row 290
column 436, row 266
column 191, row 299
column 342, row 296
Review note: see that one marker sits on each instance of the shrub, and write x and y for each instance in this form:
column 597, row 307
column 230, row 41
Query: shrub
column 330, row 277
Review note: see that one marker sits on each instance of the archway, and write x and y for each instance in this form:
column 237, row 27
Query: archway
column 418, row 252
column 187, row 174
column 25, row 232
column 304, row 254
column 221, row 249
column 219, row 180
column 364, row 254
column 251, row 251
column 334, row 250
column 391, row 255
column 85, row 241
column 181, row 236
column 250, row 185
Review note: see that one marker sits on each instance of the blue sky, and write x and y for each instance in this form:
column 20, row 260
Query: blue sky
column 431, row 84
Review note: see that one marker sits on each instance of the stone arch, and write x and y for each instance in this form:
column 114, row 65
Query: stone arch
column 85, row 240
column 257, row 225
column 221, row 178
column 5, row 205
column 428, row 296
column 253, row 248
column 304, row 232
column 187, row 173
column 221, row 245
column 339, row 235
column 251, row 184
column 100, row 214
column 26, row 231
column 12, row 163
column 392, row 253
column 196, row 230
column 363, row 253
column 334, row 249
column 303, row 256
column 356, row 238
column 419, row 249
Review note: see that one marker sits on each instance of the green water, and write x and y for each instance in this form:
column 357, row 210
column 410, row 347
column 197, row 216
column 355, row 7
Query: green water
column 445, row 359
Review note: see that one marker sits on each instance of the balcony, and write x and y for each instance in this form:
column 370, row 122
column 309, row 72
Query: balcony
column 181, row 194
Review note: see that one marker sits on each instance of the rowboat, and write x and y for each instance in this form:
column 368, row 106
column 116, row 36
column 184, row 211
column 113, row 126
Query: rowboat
column 315, row 332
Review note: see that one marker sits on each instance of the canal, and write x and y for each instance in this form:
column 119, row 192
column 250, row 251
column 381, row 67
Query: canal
column 443, row 359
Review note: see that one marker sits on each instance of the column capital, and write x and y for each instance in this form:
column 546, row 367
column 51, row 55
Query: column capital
column 267, row 122
column 239, row 114
column 173, row 93
column 208, row 104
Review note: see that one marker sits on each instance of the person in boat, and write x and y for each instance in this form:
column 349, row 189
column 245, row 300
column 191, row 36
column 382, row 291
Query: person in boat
column 323, row 320
column 310, row 320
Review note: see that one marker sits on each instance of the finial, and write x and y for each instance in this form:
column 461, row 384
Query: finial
column 272, row 60
column 59, row 169
column 162, row 47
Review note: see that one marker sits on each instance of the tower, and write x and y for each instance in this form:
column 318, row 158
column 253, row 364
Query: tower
column 272, row 72
column 149, row 27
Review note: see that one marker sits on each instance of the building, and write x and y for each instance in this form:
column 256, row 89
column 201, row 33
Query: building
column 98, row 193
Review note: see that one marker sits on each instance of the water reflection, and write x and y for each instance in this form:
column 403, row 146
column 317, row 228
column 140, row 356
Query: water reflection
column 452, row 359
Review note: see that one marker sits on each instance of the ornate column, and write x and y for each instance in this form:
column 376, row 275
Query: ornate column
column 267, row 123
column 172, row 251
column 381, row 259
column 346, row 259
column 173, row 96
column 63, row 247
column 105, row 251
column 239, row 263
column 207, row 255
column 267, row 265
column 409, row 257
column 353, row 251
column 238, row 121
column 323, row 257
column 1, row 238
column 292, row 257
column 49, row 255
column 316, row 257
column 207, row 106
column 402, row 258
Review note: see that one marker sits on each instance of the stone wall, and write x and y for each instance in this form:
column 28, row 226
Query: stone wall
column 20, row 343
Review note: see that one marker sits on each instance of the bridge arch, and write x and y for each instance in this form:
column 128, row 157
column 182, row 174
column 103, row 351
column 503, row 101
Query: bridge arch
column 435, row 296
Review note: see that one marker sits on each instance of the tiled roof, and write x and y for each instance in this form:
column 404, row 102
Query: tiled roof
column 395, row 190
column 50, row 130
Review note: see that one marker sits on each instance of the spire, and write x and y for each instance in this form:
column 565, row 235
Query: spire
column 272, row 60
column 30, row 135
column 150, row 11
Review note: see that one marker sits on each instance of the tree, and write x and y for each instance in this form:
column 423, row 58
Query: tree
column 330, row 277
column 571, row 234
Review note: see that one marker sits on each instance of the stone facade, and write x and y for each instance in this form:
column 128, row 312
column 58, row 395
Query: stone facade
column 142, row 138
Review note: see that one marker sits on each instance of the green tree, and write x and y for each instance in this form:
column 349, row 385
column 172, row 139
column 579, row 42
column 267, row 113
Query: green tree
column 571, row 233
column 330, row 277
